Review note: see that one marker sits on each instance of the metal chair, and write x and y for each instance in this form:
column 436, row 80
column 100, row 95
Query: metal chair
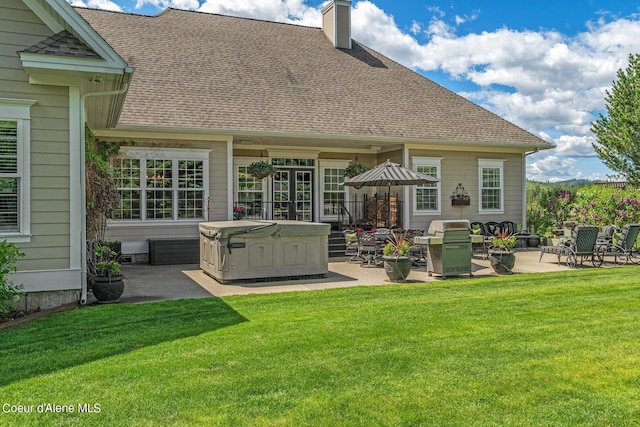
column 351, row 244
column 581, row 244
column 624, row 249
column 416, row 251
column 491, row 228
column 368, row 248
column 486, row 240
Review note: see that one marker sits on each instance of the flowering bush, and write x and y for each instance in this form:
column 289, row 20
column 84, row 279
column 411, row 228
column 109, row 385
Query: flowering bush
column 549, row 207
column 606, row 206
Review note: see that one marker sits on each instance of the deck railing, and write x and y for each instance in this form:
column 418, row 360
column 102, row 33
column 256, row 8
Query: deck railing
column 366, row 213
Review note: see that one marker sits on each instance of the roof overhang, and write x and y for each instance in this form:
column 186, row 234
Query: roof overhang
column 335, row 141
column 58, row 15
column 109, row 73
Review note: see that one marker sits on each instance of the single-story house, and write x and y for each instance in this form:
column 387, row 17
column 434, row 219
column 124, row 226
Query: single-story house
column 202, row 96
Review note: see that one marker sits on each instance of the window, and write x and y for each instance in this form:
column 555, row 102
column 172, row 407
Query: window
column 491, row 185
column 333, row 192
column 427, row 196
column 9, row 180
column 250, row 193
column 161, row 185
column 14, row 169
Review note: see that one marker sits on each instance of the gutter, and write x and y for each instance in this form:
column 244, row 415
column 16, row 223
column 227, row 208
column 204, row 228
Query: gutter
column 524, row 185
column 83, row 184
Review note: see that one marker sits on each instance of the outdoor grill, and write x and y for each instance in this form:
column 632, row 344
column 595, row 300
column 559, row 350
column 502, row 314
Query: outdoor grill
column 449, row 248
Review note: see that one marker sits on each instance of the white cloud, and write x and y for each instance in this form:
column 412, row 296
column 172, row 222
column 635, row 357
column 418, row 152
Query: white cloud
column 544, row 81
column 574, row 145
column 96, row 4
column 289, row 11
column 163, row 4
column 552, row 169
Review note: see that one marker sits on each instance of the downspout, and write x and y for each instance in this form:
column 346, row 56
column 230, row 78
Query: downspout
column 524, row 186
column 83, row 184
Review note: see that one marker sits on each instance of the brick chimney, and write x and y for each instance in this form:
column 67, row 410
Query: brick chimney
column 336, row 23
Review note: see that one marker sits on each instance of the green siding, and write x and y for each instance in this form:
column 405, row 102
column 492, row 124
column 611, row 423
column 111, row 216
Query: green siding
column 50, row 204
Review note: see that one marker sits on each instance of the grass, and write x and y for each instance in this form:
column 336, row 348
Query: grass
column 555, row 349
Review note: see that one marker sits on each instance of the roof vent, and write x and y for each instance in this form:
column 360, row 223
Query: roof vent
column 336, row 23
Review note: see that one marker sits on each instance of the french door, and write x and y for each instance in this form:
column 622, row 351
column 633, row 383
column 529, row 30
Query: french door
column 293, row 194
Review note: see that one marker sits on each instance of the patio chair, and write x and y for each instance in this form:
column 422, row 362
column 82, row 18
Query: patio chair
column 510, row 226
column 491, row 228
column 478, row 228
column 624, row 248
column 416, row 251
column 351, row 244
column 605, row 237
column 369, row 249
column 581, row 244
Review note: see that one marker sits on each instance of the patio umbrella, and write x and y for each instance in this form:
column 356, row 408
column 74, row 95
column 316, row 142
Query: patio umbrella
column 387, row 174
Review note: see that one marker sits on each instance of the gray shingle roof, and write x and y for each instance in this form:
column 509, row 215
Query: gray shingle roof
column 199, row 70
column 63, row 44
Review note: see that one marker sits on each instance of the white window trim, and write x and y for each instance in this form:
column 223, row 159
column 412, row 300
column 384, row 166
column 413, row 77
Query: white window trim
column 491, row 163
column 244, row 162
column 428, row 161
column 146, row 153
column 19, row 110
column 329, row 164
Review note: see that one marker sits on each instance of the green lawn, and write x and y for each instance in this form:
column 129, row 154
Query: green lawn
column 555, row 349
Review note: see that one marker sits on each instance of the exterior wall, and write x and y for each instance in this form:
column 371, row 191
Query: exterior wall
column 134, row 235
column 462, row 167
column 47, row 262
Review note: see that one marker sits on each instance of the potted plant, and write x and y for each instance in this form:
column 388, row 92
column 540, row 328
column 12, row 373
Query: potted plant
column 397, row 263
column 261, row 169
column 460, row 197
column 501, row 252
column 107, row 283
column 239, row 212
column 354, row 169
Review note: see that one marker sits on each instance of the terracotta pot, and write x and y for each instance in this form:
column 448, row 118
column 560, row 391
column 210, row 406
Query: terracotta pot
column 397, row 267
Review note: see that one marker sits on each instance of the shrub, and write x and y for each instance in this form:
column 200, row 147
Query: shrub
column 397, row 246
column 9, row 293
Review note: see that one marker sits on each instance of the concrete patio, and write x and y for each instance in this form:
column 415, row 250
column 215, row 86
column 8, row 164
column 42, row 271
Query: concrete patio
column 145, row 282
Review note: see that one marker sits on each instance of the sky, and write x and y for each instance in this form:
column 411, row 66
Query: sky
column 543, row 65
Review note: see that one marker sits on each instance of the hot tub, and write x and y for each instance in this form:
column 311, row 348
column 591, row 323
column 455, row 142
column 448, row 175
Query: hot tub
column 254, row 251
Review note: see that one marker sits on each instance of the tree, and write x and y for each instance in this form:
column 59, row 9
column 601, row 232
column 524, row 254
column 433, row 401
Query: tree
column 618, row 133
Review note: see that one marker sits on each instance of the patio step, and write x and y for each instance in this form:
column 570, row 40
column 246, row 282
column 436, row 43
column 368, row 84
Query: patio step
column 337, row 244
